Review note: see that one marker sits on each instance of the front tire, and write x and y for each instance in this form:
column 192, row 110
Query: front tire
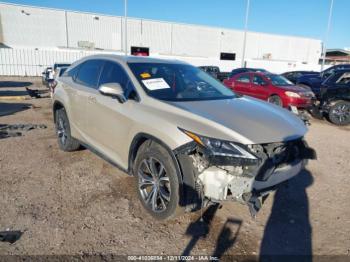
column 157, row 181
column 276, row 100
column 339, row 113
column 65, row 141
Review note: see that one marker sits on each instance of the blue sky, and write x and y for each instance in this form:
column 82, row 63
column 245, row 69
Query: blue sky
column 292, row 17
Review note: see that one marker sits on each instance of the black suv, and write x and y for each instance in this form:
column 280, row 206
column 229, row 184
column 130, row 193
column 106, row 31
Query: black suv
column 335, row 98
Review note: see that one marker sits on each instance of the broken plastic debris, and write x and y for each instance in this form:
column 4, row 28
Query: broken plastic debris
column 10, row 236
column 14, row 130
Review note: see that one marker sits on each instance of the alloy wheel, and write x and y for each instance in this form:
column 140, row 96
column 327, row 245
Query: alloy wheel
column 62, row 131
column 154, row 184
column 342, row 113
column 275, row 100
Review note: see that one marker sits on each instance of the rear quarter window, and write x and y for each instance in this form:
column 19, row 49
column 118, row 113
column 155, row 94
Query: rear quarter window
column 89, row 73
column 71, row 72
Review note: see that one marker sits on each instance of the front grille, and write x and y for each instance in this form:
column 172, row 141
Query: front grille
column 307, row 95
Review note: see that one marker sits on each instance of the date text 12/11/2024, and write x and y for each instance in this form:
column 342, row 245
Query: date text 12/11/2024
column 173, row 258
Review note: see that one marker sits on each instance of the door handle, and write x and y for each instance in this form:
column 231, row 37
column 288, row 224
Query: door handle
column 92, row 99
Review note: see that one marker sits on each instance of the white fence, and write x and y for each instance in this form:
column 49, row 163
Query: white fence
column 28, row 62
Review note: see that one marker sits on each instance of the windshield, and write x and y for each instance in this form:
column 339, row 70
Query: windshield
column 279, row 80
column 178, row 82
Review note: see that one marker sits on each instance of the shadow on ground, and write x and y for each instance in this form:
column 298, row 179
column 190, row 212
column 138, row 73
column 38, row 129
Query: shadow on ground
column 13, row 93
column 288, row 232
column 200, row 229
column 15, row 84
column 12, row 108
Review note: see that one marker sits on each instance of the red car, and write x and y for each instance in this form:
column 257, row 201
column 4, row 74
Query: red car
column 273, row 88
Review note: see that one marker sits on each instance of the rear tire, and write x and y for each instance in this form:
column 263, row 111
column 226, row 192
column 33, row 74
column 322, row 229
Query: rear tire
column 157, row 181
column 276, row 100
column 65, row 141
column 339, row 113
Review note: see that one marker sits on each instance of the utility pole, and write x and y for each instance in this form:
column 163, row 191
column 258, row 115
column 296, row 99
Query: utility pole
column 126, row 27
column 327, row 34
column 67, row 39
column 245, row 33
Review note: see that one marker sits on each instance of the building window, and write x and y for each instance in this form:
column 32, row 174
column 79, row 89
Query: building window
column 227, row 56
column 139, row 51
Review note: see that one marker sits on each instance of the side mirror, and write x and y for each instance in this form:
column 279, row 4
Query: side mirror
column 113, row 90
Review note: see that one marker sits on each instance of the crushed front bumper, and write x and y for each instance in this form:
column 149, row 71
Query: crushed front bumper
column 240, row 180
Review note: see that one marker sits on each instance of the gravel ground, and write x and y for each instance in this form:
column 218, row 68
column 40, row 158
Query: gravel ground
column 77, row 204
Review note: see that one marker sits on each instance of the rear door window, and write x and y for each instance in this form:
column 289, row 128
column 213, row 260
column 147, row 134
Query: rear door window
column 244, row 78
column 89, row 73
column 258, row 80
column 344, row 79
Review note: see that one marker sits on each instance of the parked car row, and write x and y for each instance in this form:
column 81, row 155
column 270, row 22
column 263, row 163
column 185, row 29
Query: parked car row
column 215, row 72
column 273, row 88
column 186, row 138
column 313, row 80
column 323, row 94
column 334, row 98
column 332, row 90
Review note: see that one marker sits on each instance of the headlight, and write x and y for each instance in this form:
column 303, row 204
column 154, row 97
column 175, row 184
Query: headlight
column 220, row 147
column 292, row 94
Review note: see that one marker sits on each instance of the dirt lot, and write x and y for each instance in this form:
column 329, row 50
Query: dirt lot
column 76, row 203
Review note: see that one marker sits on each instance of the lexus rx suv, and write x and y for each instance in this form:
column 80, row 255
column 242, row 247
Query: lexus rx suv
column 186, row 138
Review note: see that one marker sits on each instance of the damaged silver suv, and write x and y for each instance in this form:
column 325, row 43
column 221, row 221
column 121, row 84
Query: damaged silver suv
column 186, row 138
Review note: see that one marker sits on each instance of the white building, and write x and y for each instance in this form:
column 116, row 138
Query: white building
column 36, row 28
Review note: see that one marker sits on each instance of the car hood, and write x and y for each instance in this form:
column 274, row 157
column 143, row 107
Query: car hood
column 293, row 88
column 243, row 119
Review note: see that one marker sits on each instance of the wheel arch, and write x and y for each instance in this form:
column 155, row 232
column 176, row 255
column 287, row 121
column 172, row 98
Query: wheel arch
column 334, row 100
column 138, row 140
column 283, row 100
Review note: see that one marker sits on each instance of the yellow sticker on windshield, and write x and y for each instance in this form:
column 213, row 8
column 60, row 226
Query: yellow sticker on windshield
column 145, row 75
